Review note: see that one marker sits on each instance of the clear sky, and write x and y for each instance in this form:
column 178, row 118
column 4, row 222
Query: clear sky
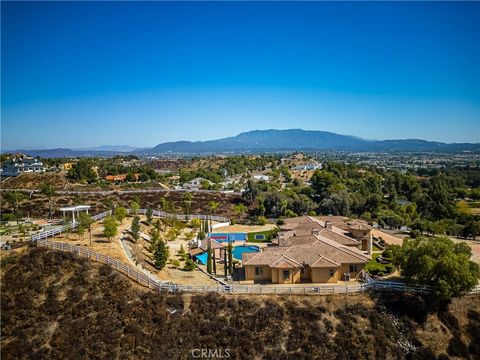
column 87, row 74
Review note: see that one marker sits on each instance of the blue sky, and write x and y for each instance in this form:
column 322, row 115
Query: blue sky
column 87, row 74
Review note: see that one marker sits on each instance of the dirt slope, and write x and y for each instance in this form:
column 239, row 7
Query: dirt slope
column 57, row 306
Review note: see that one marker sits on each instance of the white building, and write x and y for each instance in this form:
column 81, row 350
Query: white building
column 20, row 165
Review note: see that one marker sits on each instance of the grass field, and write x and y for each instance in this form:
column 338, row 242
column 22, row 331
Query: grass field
column 268, row 234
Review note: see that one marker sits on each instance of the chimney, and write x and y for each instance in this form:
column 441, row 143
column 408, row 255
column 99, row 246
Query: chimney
column 315, row 231
column 370, row 244
column 281, row 240
column 328, row 225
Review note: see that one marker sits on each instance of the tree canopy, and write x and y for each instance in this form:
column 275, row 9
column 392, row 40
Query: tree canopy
column 439, row 263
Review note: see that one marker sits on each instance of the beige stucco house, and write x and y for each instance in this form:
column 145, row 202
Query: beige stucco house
column 308, row 250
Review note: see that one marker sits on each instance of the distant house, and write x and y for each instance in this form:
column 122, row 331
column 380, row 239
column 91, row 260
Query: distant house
column 261, row 177
column 22, row 164
column 307, row 167
column 120, row 177
column 67, row 165
column 196, row 184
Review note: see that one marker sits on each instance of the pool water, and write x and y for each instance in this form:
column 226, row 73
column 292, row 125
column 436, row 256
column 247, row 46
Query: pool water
column 239, row 250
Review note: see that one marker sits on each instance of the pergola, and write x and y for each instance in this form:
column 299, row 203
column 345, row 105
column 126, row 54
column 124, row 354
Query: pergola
column 74, row 209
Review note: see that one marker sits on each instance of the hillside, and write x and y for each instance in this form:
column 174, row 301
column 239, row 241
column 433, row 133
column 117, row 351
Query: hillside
column 297, row 139
column 57, row 306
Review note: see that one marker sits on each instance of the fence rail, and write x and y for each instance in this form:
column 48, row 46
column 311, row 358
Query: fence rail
column 153, row 284
column 61, row 229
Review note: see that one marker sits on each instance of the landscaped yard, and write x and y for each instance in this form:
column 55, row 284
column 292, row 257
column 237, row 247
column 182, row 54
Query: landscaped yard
column 256, row 237
column 374, row 267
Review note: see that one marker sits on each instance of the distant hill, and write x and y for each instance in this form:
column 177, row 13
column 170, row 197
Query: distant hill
column 110, row 148
column 297, row 139
column 265, row 141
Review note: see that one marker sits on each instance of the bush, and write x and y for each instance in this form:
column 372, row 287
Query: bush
column 280, row 222
column 389, row 268
column 380, row 273
column 262, row 220
column 189, row 265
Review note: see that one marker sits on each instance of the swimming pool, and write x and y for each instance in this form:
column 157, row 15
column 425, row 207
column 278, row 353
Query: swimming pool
column 225, row 237
column 239, row 250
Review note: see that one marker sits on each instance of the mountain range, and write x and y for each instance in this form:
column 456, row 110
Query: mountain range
column 267, row 141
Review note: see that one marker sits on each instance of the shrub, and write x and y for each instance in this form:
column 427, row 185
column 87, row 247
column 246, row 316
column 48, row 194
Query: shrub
column 189, row 265
column 262, row 220
column 380, row 273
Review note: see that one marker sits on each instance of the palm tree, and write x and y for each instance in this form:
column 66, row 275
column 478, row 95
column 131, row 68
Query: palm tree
column 48, row 190
column 213, row 205
column 240, row 210
column 14, row 197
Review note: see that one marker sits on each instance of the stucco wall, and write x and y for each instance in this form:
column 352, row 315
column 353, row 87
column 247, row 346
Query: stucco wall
column 322, row 275
column 294, row 276
column 264, row 275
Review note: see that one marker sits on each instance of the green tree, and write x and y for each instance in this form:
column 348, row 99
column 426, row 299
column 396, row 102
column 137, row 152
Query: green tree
column 134, row 206
column 230, row 258
column 439, row 200
column 120, row 213
column 160, row 254
column 322, row 181
column 189, row 265
column 471, row 229
column 135, row 228
column 187, row 203
column 209, row 259
column 110, row 227
column 48, row 190
column 86, row 222
column 439, row 263
column 149, row 215
column 196, row 223
column 240, row 210
column 14, row 198
column 213, row 206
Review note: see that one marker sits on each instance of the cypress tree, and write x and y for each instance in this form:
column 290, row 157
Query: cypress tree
column 225, row 264
column 209, row 259
column 160, row 254
column 230, row 258
column 213, row 262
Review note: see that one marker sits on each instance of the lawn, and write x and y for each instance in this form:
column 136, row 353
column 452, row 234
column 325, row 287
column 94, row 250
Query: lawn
column 268, row 235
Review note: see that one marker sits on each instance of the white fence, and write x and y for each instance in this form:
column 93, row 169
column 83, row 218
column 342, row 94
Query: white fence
column 151, row 283
column 61, row 229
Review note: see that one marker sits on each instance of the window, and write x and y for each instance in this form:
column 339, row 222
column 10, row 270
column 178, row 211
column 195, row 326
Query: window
column 302, row 271
column 286, row 274
column 258, row 271
column 332, row 272
column 353, row 268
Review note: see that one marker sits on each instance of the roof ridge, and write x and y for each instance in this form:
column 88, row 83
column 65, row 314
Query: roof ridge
column 340, row 247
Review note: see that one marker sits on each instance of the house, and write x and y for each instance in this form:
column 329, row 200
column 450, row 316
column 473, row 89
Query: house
column 261, row 177
column 197, row 183
column 307, row 167
column 120, row 177
column 22, row 164
column 356, row 233
column 310, row 258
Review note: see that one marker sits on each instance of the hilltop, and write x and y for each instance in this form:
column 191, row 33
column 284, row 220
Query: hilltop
column 258, row 141
column 55, row 305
